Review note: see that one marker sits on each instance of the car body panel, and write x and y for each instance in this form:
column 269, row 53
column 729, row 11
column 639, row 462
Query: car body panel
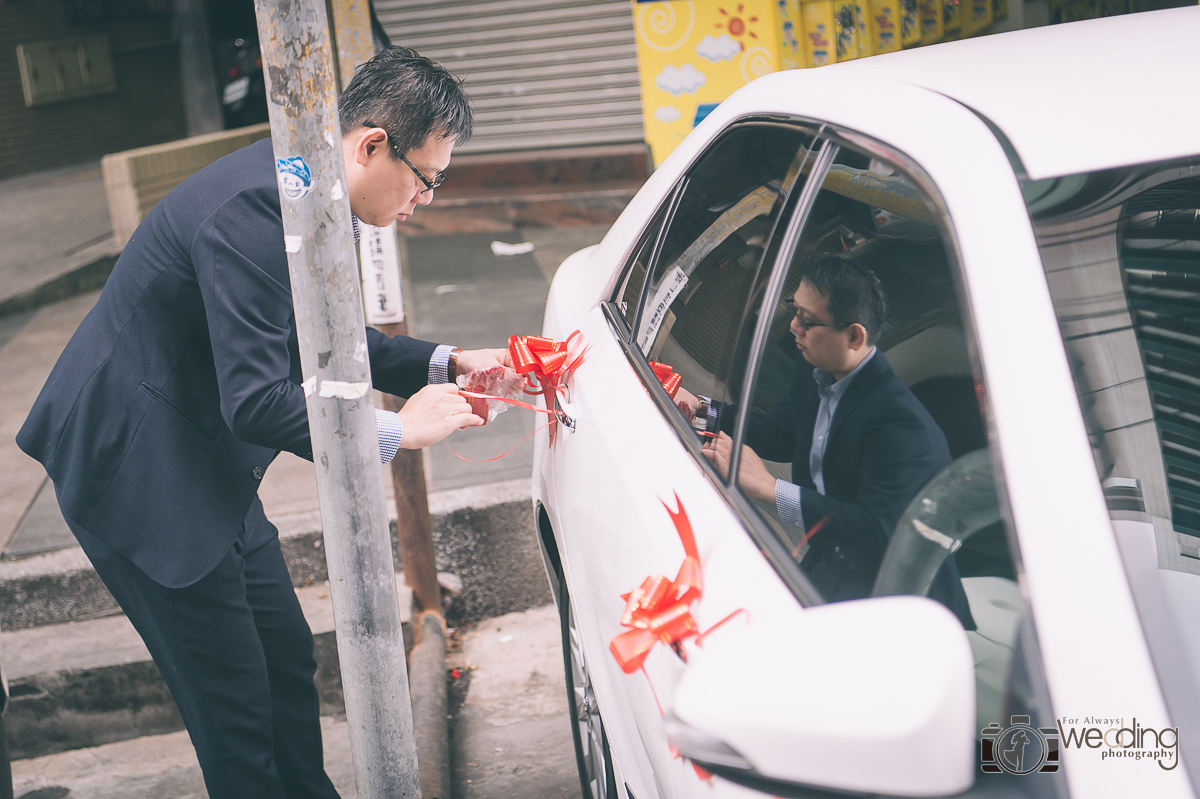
column 624, row 451
column 1003, row 77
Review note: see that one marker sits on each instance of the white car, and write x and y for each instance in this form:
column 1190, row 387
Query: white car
column 1031, row 205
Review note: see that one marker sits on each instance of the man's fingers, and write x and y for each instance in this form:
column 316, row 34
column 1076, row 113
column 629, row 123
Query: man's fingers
column 468, row 419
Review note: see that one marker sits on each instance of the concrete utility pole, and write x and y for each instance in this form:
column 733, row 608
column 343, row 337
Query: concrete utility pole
column 382, row 287
column 301, row 90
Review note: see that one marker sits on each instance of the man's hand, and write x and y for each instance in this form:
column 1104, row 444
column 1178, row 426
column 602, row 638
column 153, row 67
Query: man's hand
column 433, row 413
column 753, row 477
column 473, row 360
column 688, row 398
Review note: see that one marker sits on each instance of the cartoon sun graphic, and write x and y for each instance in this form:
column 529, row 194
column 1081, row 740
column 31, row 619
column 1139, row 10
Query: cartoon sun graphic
column 738, row 24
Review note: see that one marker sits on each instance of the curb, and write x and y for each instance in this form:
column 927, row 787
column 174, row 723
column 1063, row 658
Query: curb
column 88, row 276
column 484, row 534
column 427, row 686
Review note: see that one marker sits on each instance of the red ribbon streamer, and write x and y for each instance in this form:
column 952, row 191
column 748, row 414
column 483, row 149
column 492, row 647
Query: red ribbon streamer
column 446, row 441
column 547, row 365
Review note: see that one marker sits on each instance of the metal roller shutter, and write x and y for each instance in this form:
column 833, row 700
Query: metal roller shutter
column 541, row 73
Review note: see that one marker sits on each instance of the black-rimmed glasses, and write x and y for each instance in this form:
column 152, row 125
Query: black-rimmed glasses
column 430, row 185
column 806, row 325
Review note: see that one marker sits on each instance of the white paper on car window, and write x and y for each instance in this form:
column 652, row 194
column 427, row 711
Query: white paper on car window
column 654, row 313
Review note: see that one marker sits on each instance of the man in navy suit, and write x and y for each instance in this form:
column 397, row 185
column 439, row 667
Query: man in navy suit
column 861, row 445
column 183, row 384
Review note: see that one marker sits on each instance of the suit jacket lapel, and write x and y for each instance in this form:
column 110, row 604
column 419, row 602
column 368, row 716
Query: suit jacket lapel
column 805, row 408
column 860, row 387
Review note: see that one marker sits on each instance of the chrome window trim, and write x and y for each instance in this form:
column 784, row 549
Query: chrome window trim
column 779, row 270
column 660, row 237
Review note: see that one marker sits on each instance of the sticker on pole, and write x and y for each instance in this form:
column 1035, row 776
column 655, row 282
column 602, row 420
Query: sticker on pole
column 295, row 178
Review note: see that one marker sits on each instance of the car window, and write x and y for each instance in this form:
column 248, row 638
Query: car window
column 1121, row 253
column 866, row 451
column 710, row 253
column 629, row 289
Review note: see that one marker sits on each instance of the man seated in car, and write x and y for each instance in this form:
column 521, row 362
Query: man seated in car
column 861, row 445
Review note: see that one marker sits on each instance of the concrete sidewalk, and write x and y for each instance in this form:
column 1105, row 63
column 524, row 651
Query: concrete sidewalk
column 510, row 732
column 57, row 238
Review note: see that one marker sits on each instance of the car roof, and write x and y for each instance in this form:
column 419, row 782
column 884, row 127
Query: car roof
column 1071, row 98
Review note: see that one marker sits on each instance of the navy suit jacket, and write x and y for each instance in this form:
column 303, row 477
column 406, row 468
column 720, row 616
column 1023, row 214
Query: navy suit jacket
column 883, row 446
column 183, row 382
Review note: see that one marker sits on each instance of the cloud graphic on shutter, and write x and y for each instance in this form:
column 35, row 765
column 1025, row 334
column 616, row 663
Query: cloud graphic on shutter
column 680, row 80
column 718, row 48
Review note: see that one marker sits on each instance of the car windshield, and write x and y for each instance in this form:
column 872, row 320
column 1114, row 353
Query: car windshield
column 1121, row 253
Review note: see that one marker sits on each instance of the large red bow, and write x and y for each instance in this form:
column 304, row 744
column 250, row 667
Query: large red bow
column 550, row 363
column 660, row 609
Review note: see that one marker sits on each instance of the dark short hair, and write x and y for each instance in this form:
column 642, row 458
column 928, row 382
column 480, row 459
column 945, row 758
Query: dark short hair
column 854, row 293
column 408, row 95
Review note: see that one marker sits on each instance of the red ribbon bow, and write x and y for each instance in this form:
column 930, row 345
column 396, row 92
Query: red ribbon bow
column 659, row 610
column 549, row 363
column 669, row 378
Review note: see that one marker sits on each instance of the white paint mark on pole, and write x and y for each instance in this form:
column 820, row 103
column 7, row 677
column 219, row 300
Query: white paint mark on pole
column 343, row 390
column 336, row 192
column 381, row 275
column 360, row 352
column 309, row 386
column 292, row 243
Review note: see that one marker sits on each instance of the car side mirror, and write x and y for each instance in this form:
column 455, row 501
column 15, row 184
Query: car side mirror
column 873, row 695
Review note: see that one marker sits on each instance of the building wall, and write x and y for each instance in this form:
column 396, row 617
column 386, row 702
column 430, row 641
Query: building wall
column 146, row 108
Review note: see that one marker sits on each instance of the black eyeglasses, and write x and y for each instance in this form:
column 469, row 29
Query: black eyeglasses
column 806, row 325
column 430, row 185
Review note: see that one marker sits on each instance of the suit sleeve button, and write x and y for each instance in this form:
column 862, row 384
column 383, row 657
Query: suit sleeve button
column 258, row 472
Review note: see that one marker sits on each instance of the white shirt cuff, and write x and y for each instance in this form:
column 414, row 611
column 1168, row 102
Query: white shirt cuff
column 710, row 414
column 439, row 364
column 787, row 503
column 390, row 431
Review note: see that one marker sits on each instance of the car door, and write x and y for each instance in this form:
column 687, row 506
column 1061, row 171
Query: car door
column 616, row 479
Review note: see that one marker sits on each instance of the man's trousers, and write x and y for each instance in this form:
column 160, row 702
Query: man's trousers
column 237, row 654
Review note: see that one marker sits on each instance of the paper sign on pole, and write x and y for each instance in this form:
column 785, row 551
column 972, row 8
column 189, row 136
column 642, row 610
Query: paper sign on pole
column 381, row 275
